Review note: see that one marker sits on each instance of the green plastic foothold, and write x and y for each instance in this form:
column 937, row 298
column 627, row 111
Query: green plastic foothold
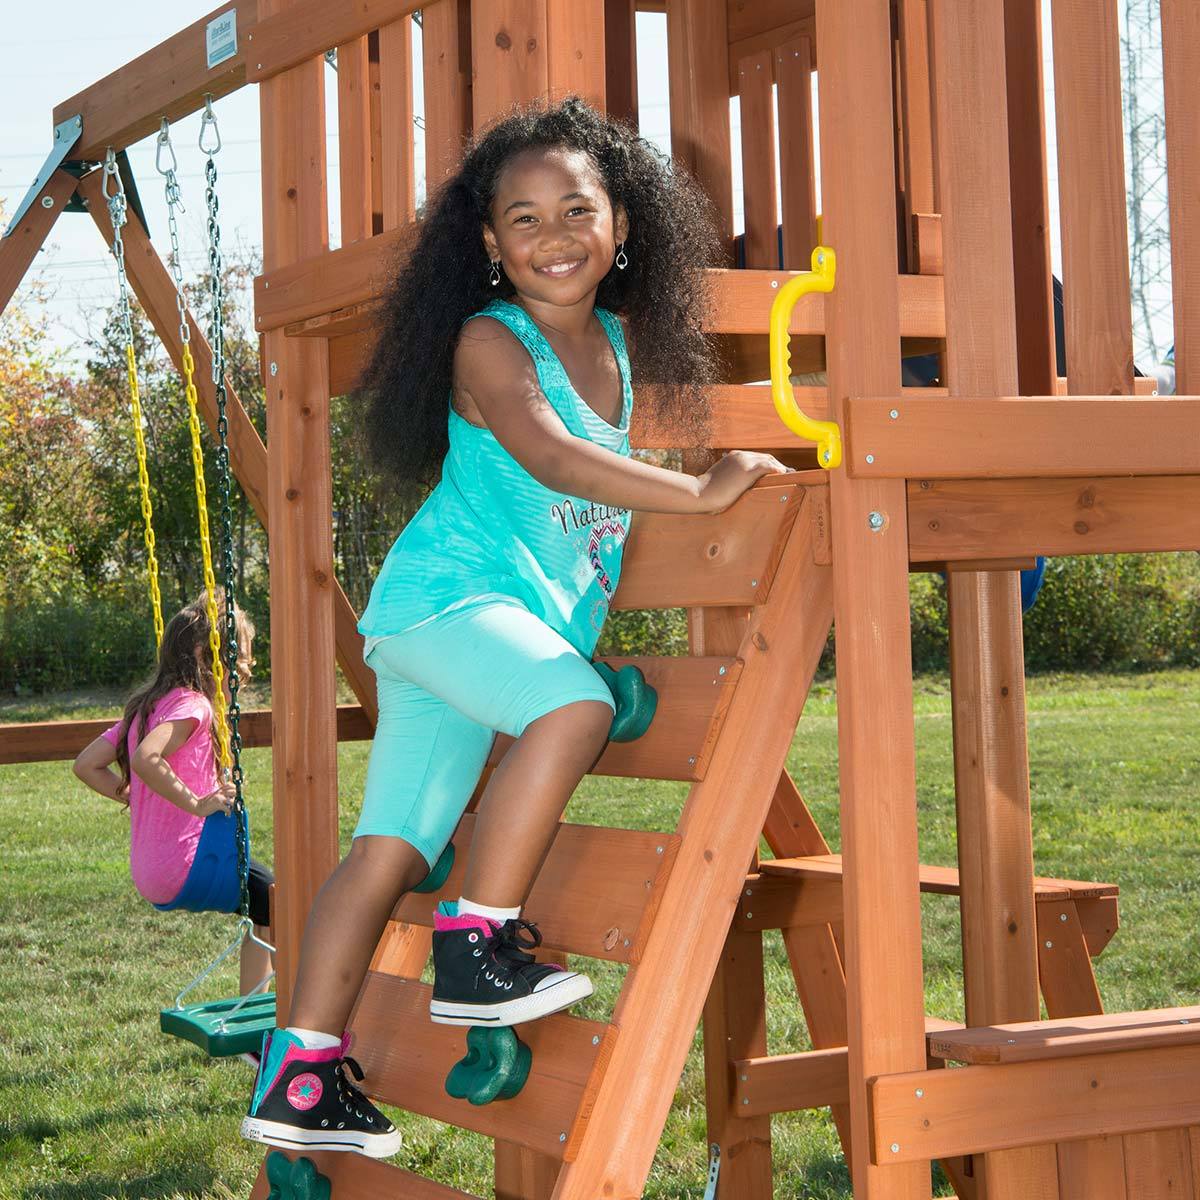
column 635, row 699
column 295, row 1180
column 495, row 1068
column 440, row 873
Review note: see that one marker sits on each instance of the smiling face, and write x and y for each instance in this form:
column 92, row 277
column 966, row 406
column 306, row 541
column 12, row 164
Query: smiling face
column 553, row 227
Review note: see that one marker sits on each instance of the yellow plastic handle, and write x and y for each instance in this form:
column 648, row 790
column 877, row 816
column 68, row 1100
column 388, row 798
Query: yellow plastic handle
column 825, row 433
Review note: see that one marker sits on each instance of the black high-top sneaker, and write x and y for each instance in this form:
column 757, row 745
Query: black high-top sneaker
column 483, row 974
column 302, row 1099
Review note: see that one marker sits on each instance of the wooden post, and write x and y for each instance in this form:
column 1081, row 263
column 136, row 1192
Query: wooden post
column 620, row 59
column 885, row 997
column 916, row 119
column 1091, row 189
column 1181, row 70
column 987, row 666
column 19, row 248
column 295, row 226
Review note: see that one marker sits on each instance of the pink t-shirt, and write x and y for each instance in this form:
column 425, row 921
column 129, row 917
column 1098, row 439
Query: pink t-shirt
column 163, row 840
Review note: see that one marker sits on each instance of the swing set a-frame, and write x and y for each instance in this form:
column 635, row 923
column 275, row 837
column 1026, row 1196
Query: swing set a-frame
column 933, row 187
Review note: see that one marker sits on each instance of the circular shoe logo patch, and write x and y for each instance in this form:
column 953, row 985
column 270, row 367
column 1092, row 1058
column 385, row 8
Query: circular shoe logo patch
column 304, row 1091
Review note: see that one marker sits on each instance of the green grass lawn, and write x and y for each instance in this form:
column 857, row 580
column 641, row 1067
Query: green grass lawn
column 95, row 1103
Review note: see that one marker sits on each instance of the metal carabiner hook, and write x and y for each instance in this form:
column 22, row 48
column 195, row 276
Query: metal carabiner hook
column 113, row 171
column 164, row 143
column 207, row 118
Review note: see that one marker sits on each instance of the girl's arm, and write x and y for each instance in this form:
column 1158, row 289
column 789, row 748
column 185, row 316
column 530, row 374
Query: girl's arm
column 149, row 763
column 94, row 767
column 492, row 366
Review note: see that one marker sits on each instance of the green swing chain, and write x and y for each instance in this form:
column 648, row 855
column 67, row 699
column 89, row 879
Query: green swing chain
column 216, row 338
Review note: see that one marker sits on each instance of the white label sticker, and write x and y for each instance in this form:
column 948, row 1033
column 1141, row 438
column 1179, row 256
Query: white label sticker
column 221, row 38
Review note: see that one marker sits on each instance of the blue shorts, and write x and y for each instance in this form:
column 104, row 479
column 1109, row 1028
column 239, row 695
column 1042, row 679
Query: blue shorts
column 445, row 688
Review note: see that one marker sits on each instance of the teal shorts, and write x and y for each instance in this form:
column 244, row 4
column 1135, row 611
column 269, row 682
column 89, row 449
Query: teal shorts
column 445, row 688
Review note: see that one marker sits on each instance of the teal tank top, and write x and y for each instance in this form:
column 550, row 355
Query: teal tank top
column 489, row 530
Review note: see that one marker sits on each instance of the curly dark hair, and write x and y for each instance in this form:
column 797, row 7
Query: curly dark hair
column 441, row 278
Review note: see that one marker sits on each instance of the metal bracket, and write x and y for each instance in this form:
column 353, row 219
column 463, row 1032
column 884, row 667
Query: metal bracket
column 714, row 1171
column 66, row 134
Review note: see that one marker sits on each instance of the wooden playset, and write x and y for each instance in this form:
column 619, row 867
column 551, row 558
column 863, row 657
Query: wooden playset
column 934, row 195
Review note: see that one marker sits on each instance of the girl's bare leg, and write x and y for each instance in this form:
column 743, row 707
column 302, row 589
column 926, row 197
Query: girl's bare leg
column 255, row 963
column 524, row 800
column 347, row 920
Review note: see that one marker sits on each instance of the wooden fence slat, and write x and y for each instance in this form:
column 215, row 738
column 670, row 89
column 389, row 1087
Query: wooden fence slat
column 1092, row 1170
column 755, row 79
column 509, row 56
column 1091, row 197
column 1181, row 71
column 797, row 167
column 396, row 123
column 1158, row 1165
column 354, row 140
column 446, row 55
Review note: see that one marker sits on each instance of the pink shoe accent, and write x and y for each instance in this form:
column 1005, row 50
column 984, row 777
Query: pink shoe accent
column 444, row 924
column 296, row 1053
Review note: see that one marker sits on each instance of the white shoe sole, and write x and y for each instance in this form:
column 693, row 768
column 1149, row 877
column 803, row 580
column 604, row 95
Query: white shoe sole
column 275, row 1133
column 563, row 994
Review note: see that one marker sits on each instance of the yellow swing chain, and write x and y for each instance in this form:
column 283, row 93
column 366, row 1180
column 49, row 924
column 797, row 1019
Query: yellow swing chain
column 171, row 187
column 117, row 214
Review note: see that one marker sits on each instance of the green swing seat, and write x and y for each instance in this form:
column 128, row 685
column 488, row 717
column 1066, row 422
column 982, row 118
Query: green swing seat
column 219, row 1034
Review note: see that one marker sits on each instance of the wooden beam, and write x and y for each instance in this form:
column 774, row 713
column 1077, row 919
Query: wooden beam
column 152, row 284
column 20, row 247
column 575, row 50
column 169, row 81
column 1091, row 180
column 960, row 519
column 1181, row 70
column 56, row 741
column 978, row 1108
column 364, row 1178
column 282, row 40
column 1022, row 436
column 788, row 1082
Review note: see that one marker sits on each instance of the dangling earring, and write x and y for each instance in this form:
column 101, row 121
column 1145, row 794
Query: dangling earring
column 622, row 259
column 494, row 272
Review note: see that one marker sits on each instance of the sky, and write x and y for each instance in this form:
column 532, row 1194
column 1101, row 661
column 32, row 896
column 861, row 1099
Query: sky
column 73, row 44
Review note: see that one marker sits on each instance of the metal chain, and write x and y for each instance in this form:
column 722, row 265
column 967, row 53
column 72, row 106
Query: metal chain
column 216, row 339
column 163, row 151
column 117, row 211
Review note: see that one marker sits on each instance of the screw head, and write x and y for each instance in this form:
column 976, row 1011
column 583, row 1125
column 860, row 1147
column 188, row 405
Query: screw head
column 894, row 414
column 720, row 670
column 920, row 1093
column 1062, row 917
column 774, row 283
column 1049, row 945
column 596, row 1040
column 692, row 761
column 658, row 849
column 875, row 521
column 745, row 1099
column 895, row 1147
column 274, row 368
column 749, row 916
column 754, row 583
column 562, row 1137
column 870, row 458
column 47, row 201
